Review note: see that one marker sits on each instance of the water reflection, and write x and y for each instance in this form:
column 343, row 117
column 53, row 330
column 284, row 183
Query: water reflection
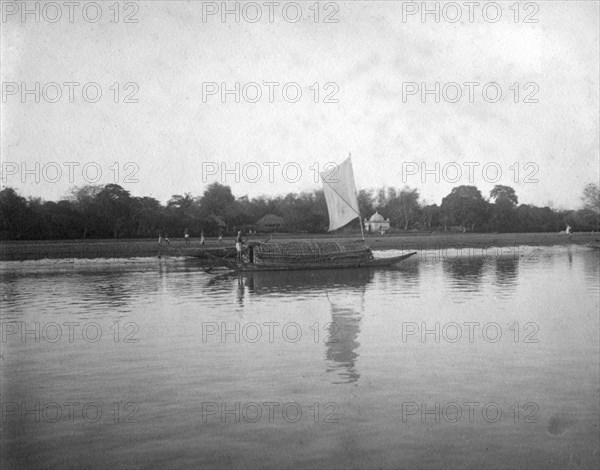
column 570, row 257
column 591, row 268
column 465, row 273
column 507, row 272
column 344, row 328
column 110, row 290
column 506, row 277
column 342, row 342
column 97, row 290
column 405, row 277
column 240, row 291
column 306, row 282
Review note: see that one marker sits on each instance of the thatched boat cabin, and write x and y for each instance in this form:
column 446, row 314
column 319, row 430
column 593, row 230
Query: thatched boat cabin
column 314, row 254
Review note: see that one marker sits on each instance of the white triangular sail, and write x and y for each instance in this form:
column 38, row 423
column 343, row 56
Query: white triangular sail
column 340, row 194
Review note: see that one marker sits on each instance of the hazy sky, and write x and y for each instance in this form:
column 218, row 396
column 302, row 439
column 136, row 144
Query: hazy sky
column 177, row 132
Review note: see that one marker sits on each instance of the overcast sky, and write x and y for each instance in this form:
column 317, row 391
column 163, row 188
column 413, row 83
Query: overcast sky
column 364, row 61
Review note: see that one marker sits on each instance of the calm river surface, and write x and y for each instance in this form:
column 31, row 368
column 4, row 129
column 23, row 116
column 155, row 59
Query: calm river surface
column 460, row 362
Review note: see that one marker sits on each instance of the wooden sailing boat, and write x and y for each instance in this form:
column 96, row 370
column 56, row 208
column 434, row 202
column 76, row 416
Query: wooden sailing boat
column 342, row 206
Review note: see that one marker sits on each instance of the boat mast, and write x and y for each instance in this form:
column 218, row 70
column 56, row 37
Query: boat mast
column 360, row 222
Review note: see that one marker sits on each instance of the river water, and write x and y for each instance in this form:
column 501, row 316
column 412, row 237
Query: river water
column 453, row 361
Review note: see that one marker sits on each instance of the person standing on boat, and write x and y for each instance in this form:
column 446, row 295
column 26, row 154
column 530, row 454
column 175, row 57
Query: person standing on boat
column 202, row 239
column 186, row 235
column 238, row 245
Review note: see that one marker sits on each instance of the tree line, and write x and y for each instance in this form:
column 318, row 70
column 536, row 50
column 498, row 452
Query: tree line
column 110, row 211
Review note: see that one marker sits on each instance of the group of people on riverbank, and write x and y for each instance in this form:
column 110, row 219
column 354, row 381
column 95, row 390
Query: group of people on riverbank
column 186, row 236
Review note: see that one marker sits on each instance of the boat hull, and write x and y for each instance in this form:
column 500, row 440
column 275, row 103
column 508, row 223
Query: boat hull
column 340, row 264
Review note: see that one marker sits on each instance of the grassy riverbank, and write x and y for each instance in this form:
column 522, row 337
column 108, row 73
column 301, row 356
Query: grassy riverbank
column 91, row 249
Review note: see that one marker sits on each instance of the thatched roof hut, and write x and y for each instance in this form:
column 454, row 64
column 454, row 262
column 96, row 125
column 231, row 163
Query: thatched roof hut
column 269, row 223
column 217, row 220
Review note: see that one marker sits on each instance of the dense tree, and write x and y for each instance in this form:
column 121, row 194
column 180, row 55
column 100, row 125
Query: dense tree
column 306, row 212
column 181, row 203
column 591, row 198
column 183, row 212
column 15, row 215
column 408, row 202
column 589, row 215
column 430, row 216
column 85, row 201
column 401, row 207
column 146, row 216
column 537, row 219
column 504, row 193
column 115, row 207
column 217, row 199
column 365, row 203
column 465, row 207
column 503, row 213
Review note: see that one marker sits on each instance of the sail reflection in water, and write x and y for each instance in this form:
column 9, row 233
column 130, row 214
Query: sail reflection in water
column 343, row 330
column 342, row 342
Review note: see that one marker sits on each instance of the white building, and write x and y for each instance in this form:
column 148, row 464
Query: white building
column 377, row 223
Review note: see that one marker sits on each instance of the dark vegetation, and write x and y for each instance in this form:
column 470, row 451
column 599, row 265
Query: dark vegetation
column 96, row 212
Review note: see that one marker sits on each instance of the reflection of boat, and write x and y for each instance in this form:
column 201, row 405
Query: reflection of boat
column 299, row 281
column 342, row 206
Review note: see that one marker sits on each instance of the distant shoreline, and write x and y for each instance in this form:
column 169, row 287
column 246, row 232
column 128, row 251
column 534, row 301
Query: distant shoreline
column 124, row 248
